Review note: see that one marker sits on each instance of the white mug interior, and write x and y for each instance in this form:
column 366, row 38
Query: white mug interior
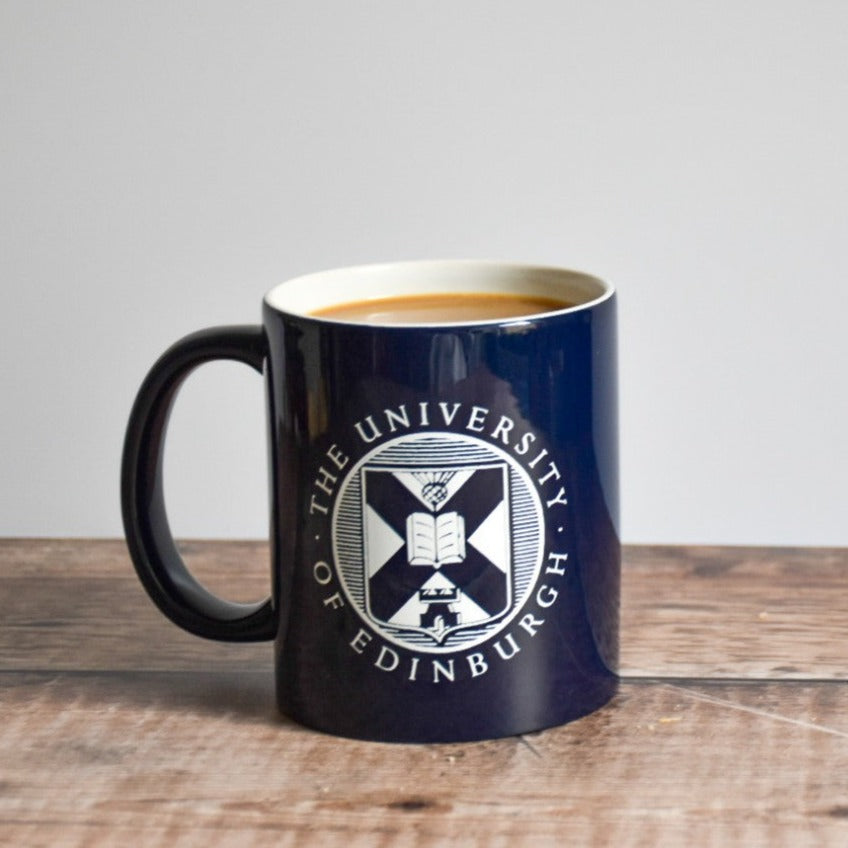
column 311, row 293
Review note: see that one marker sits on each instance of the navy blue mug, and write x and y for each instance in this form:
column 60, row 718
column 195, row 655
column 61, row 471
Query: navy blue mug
column 444, row 503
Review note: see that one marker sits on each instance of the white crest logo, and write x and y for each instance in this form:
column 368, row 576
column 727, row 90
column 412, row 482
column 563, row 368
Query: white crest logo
column 438, row 540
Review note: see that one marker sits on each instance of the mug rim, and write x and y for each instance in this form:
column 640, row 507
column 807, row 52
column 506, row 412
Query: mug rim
column 303, row 295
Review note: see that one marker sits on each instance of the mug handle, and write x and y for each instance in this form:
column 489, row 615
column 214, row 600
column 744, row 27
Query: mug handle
column 152, row 548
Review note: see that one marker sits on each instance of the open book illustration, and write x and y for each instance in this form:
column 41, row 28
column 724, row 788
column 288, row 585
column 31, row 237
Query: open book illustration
column 435, row 540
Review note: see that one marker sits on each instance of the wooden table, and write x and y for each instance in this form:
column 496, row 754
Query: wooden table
column 730, row 727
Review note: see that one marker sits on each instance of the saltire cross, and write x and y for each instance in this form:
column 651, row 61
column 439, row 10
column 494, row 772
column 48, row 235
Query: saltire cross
column 437, row 544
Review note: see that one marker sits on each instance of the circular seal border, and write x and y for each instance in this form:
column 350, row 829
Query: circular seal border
column 347, row 563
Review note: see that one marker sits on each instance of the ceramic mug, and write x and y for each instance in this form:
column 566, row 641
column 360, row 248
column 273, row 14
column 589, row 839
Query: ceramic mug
column 445, row 551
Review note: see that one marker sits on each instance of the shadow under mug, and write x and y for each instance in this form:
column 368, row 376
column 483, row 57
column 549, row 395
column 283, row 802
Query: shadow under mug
column 445, row 552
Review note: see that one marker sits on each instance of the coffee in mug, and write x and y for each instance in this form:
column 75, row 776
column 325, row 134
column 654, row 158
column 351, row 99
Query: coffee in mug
column 442, row 308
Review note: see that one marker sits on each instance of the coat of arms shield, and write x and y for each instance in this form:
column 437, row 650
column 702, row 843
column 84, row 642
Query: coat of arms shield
column 436, row 545
column 437, row 540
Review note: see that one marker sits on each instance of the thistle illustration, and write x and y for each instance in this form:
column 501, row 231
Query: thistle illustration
column 434, row 488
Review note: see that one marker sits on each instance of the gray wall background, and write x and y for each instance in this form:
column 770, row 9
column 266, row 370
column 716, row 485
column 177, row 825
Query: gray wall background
column 163, row 164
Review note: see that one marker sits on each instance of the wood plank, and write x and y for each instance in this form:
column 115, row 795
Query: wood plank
column 778, row 613
column 60, row 595
column 191, row 759
column 770, row 613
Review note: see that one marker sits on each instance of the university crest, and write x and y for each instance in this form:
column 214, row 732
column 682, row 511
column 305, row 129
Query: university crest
column 437, row 540
column 437, row 552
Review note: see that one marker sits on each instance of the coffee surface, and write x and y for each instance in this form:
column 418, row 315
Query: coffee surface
column 441, row 308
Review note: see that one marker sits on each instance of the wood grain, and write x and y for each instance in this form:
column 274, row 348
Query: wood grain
column 60, row 595
column 770, row 613
column 200, row 758
column 730, row 726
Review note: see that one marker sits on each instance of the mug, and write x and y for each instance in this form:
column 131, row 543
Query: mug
column 445, row 551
